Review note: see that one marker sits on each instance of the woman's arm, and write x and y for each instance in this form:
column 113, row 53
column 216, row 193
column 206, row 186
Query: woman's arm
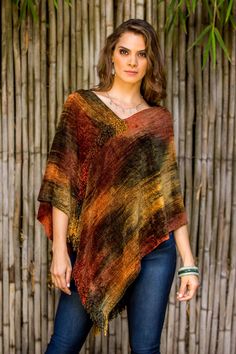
column 189, row 283
column 61, row 265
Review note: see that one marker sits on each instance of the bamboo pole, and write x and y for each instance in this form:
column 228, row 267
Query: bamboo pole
column 109, row 17
column 133, row 9
column 4, row 138
column 48, row 136
column 137, row 9
column 208, row 222
column 52, row 71
column 91, row 42
column 1, row 198
column 11, row 181
column 96, row 39
column 66, row 51
column 85, row 43
column 18, row 181
column 30, row 241
column 79, row 58
column 43, row 154
column 72, row 51
column 1, row 213
column 127, row 10
column 25, row 171
column 103, row 22
column 231, row 302
column 59, row 59
column 228, row 270
column 149, row 11
column 118, row 12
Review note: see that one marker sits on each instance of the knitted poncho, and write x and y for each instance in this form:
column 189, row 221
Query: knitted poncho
column 118, row 182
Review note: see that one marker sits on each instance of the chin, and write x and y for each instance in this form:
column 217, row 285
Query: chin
column 131, row 80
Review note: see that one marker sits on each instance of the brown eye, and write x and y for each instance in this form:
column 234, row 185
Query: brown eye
column 143, row 54
column 123, row 51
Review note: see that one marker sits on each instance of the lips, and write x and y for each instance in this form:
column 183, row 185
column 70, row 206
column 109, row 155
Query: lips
column 131, row 72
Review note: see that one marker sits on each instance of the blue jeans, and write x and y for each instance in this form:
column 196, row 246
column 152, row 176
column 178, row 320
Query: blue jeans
column 147, row 299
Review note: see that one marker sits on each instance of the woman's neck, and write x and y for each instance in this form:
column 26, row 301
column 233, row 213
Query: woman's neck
column 126, row 92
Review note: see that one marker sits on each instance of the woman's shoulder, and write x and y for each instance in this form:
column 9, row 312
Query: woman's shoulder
column 77, row 98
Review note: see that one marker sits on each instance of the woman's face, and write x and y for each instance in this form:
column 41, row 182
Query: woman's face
column 129, row 58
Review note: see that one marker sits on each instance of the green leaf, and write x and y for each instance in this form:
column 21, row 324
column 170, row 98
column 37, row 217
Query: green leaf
column 221, row 42
column 206, row 3
column 213, row 42
column 56, row 4
column 23, row 10
column 206, row 52
column 232, row 20
column 228, row 13
column 201, row 35
column 188, row 5
column 182, row 19
column 32, row 7
column 194, row 4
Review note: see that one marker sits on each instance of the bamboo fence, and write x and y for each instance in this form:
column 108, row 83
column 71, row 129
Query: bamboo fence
column 42, row 62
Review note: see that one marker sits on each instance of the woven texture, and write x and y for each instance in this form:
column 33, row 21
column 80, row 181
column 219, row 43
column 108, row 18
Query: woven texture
column 117, row 180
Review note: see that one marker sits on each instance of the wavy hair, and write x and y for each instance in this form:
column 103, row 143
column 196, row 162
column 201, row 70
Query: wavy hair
column 153, row 86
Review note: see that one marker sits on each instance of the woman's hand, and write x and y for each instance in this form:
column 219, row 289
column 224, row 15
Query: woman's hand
column 188, row 287
column 61, row 270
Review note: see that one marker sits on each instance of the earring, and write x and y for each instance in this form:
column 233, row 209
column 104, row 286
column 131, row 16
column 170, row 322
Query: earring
column 113, row 69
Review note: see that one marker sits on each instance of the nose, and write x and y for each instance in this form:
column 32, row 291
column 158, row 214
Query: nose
column 133, row 61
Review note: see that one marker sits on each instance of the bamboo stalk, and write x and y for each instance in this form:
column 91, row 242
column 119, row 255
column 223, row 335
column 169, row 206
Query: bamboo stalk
column 79, row 59
column 37, row 183
column 96, row 39
column 30, row 241
column 1, row 193
column 133, row 9
column 91, row 43
column 72, row 54
column 5, row 207
column 59, row 60
column 103, row 22
column 231, row 303
column 109, row 18
column 43, row 154
column 52, row 116
column 85, row 43
column 137, row 9
column 119, row 8
column 229, row 252
column 127, row 10
column 66, row 51
column 10, row 181
column 25, row 172
column 52, row 71
column 1, row 209
column 149, row 11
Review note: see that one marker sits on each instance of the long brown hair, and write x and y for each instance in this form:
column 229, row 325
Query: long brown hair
column 153, row 86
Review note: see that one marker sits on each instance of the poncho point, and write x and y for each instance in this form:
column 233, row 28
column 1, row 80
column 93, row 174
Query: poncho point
column 118, row 182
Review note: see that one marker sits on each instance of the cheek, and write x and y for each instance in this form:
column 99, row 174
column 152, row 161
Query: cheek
column 144, row 66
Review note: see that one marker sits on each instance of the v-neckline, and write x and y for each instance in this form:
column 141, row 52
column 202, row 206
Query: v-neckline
column 100, row 101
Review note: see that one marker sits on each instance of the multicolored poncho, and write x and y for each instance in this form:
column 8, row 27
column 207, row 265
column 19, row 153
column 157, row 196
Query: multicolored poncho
column 118, row 182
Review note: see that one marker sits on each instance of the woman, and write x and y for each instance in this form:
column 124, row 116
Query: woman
column 111, row 200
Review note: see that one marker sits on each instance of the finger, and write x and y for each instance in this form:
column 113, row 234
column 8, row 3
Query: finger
column 183, row 288
column 63, row 286
column 54, row 281
column 68, row 276
column 191, row 288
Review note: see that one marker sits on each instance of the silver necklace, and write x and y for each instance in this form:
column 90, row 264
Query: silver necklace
column 122, row 109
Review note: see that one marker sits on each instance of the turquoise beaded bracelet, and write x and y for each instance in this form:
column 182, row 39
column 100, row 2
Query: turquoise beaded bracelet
column 188, row 270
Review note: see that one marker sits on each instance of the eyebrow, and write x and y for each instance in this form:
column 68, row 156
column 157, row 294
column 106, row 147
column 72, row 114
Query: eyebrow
column 139, row 51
